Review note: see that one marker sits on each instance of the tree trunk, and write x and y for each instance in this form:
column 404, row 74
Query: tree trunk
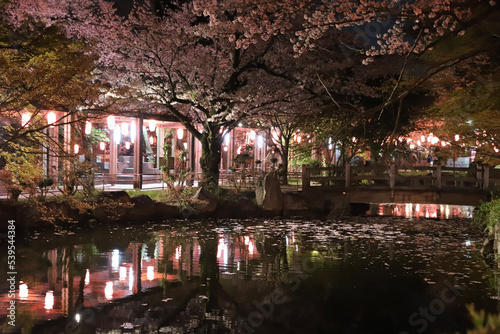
column 284, row 161
column 210, row 159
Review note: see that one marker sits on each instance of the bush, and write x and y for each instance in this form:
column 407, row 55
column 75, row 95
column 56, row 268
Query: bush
column 488, row 214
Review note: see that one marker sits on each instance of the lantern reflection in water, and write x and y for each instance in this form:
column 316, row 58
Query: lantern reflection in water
column 130, row 279
column 23, row 290
column 49, row 300
column 151, row 273
column 123, row 273
column 108, row 290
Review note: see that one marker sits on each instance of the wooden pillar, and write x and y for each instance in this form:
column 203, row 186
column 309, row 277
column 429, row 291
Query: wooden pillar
column 306, row 183
column 438, row 176
column 348, row 176
column 52, row 153
column 392, row 176
column 138, row 143
column 69, row 138
column 192, row 148
column 486, row 177
column 113, row 157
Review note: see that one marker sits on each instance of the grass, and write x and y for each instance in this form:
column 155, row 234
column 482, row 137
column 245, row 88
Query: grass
column 164, row 195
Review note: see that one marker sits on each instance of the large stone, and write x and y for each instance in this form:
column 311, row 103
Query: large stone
column 203, row 202
column 242, row 208
column 268, row 193
column 112, row 206
column 143, row 209
column 165, row 211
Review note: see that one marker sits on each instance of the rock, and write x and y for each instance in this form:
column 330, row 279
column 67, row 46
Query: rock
column 107, row 196
column 242, row 208
column 112, row 206
column 268, row 193
column 143, row 209
column 165, row 211
column 203, row 201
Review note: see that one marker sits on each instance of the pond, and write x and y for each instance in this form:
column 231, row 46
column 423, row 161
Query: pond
column 352, row 275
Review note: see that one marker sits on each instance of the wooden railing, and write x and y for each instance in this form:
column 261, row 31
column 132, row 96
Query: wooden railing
column 437, row 177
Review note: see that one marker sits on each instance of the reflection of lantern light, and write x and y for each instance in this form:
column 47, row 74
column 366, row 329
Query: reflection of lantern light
column 330, row 145
column 23, row 290
column 185, row 146
column 151, row 273
column 225, row 149
column 76, row 148
column 152, row 125
column 132, row 131
column 252, row 135
column 108, row 290
column 49, row 300
column 151, row 140
column 115, row 258
column 180, row 134
column 127, row 145
column 260, row 141
column 247, row 240
column 87, row 277
column 123, row 273
column 130, row 279
column 88, row 127
column 238, row 151
column 51, row 118
column 25, row 119
column 117, row 134
column 102, row 146
column 111, row 122
column 124, row 127
column 227, row 138
column 178, row 252
column 250, row 248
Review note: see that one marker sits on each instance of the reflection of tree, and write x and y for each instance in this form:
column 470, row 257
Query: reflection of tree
column 136, row 267
column 86, row 260
column 67, row 280
column 209, row 270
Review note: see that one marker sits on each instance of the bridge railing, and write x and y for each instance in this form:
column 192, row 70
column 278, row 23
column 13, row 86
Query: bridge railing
column 436, row 177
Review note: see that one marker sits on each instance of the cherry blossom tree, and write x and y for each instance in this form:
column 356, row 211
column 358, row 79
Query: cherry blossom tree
column 172, row 62
column 210, row 63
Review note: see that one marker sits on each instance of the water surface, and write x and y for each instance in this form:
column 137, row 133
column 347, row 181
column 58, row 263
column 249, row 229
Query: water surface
column 355, row 275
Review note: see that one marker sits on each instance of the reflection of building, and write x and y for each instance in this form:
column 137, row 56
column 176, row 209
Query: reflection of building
column 116, row 274
column 128, row 149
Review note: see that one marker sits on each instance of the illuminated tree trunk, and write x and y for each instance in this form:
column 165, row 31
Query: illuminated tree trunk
column 211, row 145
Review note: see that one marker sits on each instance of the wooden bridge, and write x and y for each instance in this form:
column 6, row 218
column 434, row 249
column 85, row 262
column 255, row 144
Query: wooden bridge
column 438, row 184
